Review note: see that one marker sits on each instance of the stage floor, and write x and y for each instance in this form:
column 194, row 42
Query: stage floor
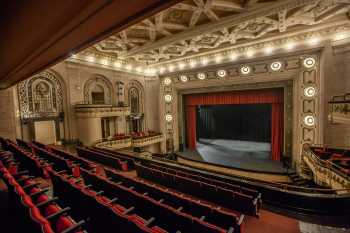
column 254, row 156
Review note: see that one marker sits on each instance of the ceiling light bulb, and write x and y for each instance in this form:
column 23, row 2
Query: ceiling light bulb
column 218, row 58
column 128, row 67
column 233, row 56
column 268, row 50
column 250, row 53
column 314, row 41
column 90, row 58
column 161, row 70
column 118, row 64
column 181, row 65
column 204, row 61
column 170, row 68
column 193, row 63
column 104, row 62
column 340, row 36
column 290, row 45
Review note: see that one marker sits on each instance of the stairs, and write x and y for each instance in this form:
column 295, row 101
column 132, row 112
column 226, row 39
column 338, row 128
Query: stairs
column 302, row 182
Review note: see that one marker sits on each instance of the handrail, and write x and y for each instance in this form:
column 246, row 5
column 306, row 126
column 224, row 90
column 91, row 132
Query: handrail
column 325, row 163
column 285, row 187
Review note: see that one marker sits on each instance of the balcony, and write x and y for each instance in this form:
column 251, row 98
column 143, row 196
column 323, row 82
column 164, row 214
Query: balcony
column 115, row 143
column 100, row 110
column 340, row 109
column 141, row 141
column 327, row 167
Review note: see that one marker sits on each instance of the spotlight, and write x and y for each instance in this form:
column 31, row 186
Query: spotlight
column 250, row 53
column 193, row 64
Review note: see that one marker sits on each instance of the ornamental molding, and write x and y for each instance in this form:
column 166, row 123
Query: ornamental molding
column 195, row 26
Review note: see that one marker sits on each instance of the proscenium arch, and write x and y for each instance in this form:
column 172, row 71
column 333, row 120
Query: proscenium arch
column 102, row 82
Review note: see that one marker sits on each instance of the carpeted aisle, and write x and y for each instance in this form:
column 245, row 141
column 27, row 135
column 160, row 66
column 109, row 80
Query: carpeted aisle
column 270, row 223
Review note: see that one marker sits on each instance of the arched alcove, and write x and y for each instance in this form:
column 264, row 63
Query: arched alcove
column 98, row 90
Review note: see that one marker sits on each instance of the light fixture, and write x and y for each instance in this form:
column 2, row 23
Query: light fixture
column 183, row 78
column 139, row 69
column 245, row 69
column 250, row 53
column 218, row 58
column 117, row 64
column 193, row 63
column 290, row 45
column 309, row 120
column 181, row 65
column 221, row 73
column 268, row 50
column 168, row 98
column 170, row 68
column 128, row 67
column 309, row 91
column 167, row 81
column 313, row 41
column 201, row 76
column 276, row 66
column 91, row 58
column 104, row 62
column 233, row 56
column 204, row 61
column 339, row 36
column 168, row 117
column 309, row 62
column 161, row 70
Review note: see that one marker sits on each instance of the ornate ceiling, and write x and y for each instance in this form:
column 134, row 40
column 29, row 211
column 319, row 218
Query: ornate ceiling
column 197, row 26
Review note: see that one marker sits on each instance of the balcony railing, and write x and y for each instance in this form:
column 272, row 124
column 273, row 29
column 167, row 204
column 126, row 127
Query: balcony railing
column 147, row 140
column 128, row 141
column 340, row 109
column 100, row 110
column 114, row 144
column 325, row 171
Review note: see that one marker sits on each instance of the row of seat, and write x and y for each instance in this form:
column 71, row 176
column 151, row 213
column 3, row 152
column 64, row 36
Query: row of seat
column 130, row 161
column 194, row 210
column 82, row 162
column 31, row 206
column 165, row 216
column 229, row 198
column 103, row 212
column 103, row 159
column 189, row 206
column 198, row 209
column 199, row 177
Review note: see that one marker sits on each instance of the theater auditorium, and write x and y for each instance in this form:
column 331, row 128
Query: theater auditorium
column 175, row 116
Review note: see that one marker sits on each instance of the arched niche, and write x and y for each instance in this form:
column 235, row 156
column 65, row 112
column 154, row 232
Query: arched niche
column 134, row 94
column 41, row 95
column 41, row 102
column 98, row 90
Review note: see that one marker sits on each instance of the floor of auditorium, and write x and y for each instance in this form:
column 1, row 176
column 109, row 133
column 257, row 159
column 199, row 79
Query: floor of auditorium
column 254, row 156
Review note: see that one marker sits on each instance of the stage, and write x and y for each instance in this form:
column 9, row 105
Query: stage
column 245, row 155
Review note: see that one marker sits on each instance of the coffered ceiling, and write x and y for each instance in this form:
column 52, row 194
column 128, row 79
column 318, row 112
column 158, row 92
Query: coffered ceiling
column 196, row 26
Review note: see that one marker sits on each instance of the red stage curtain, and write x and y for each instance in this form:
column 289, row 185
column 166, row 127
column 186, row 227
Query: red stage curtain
column 191, row 127
column 276, row 131
column 274, row 97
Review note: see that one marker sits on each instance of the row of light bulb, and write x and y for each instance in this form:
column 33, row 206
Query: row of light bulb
column 202, row 61
column 218, row 58
column 309, row 91
column 308, row 63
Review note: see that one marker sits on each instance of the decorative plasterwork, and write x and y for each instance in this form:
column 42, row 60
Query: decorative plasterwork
column 141, row 94
column 195, row 26
column 292, row 69
column 54, row 94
